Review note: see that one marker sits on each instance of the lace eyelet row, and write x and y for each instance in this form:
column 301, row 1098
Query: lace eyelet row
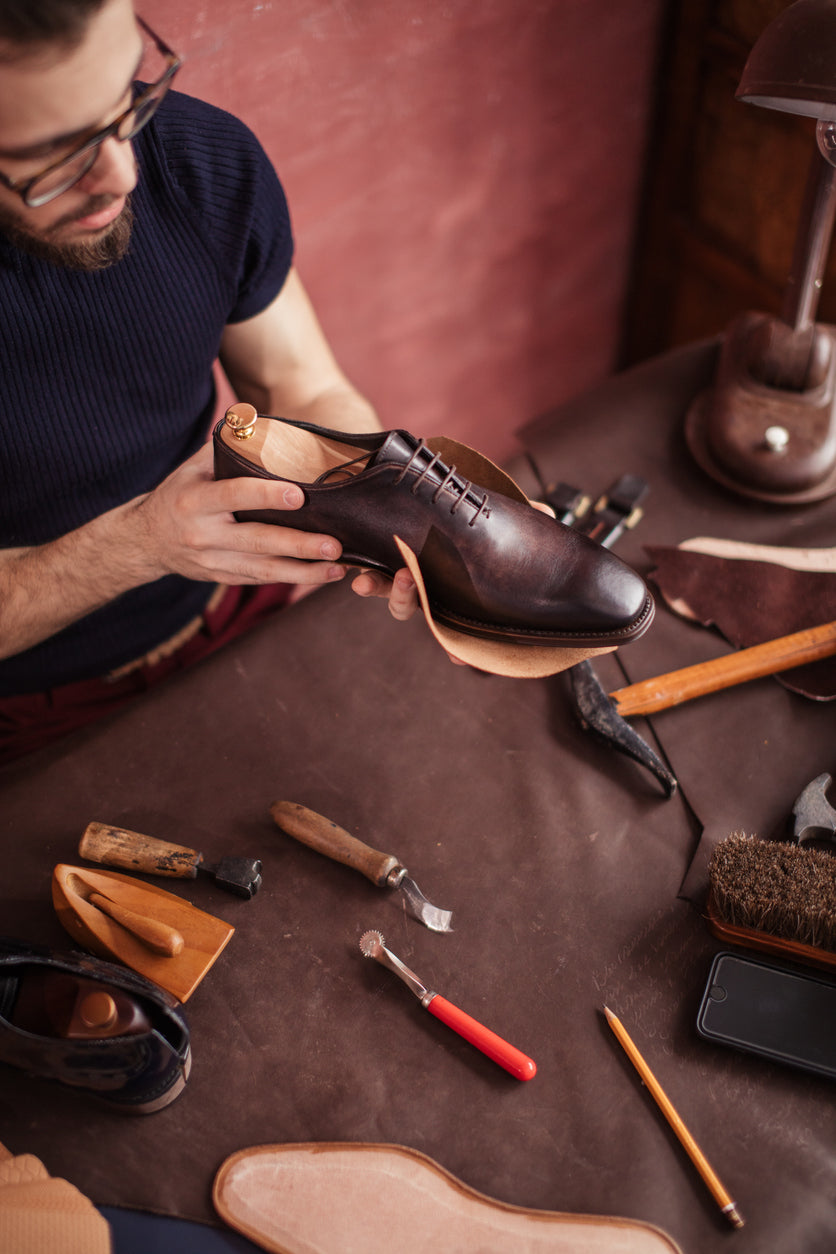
column 449, row 483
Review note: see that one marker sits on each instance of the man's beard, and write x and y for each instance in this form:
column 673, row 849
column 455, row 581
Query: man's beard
column 96, row 254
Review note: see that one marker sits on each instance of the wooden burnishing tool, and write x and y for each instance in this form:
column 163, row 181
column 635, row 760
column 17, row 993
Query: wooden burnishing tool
column 156, row 933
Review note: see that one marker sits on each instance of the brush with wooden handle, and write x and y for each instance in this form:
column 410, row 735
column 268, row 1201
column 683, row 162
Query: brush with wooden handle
column 774, row 896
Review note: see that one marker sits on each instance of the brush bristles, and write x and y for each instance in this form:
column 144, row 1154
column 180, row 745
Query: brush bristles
column 775, row 887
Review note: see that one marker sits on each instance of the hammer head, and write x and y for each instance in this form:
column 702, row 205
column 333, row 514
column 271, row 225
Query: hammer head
column 814, row 818
column 241, row 876
column 597, row 713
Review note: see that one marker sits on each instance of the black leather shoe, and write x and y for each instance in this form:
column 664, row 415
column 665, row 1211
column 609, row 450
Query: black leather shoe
column 93, row 1026
column 493, row 566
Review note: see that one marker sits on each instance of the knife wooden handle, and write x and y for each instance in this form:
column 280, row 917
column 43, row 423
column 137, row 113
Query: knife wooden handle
column 676, row 687
column 116, row 846
column 325, row 837
column 157, row 936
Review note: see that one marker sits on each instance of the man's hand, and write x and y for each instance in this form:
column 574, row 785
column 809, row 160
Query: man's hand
column 186, row 526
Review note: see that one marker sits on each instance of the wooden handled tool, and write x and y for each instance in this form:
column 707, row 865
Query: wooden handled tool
column 785, row 652
column 383, row 869
column 132, row 851
column 605, row 714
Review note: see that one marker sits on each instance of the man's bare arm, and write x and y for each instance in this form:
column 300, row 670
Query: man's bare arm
column 185, row 527
column 280, row 362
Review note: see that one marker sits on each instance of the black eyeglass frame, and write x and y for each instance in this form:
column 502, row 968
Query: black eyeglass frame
column 154, row 93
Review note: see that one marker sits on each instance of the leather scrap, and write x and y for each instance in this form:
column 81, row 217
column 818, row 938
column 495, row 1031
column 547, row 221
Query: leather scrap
column 751, row 601
column 297, row 1198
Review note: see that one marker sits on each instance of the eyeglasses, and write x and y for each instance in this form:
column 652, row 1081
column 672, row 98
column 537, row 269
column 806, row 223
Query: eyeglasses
column 69, row 170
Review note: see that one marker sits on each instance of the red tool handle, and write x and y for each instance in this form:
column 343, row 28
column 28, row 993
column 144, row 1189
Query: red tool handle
column 513, row 1060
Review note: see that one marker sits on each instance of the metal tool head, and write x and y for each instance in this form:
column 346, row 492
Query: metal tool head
column 597, row 714
column 372, row 946
column 433, row 917
column 241, row 876
column 814, row 818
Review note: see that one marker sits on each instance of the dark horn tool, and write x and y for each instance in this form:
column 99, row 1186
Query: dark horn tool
column 605, row 713
column 383, row 869
column 116, row 846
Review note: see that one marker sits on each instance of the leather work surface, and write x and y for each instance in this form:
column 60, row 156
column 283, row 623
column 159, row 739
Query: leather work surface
column 572, row 881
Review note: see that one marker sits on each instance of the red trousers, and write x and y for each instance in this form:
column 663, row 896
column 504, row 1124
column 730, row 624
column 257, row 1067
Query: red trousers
column 35, row 719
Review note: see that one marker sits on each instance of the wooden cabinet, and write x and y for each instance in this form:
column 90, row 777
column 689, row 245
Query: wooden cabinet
column 724, row 188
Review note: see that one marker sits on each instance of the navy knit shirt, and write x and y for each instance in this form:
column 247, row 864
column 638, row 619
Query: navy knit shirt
column 106, row 378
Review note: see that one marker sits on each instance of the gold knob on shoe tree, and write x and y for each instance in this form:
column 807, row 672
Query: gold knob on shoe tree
column 241, row 419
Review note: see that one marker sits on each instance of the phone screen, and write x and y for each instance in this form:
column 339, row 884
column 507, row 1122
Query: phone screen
column 771, row 1010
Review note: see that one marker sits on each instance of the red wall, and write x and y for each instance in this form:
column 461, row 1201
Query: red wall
column 463, row 178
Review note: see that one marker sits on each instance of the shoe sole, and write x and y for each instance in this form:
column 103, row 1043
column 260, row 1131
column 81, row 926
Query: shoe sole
column 523, row 635
column 534, row 636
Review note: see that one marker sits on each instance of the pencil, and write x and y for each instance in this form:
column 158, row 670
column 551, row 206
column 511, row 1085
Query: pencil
column 718, row 1192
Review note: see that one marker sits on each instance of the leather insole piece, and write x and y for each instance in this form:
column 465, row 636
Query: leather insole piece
column 374, row 1199
column 750, row 602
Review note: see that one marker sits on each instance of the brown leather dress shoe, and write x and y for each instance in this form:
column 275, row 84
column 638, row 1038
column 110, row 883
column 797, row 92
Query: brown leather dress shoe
column 493, row 566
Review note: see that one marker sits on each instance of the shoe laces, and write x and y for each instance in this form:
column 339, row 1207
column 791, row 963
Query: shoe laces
column 460, row 488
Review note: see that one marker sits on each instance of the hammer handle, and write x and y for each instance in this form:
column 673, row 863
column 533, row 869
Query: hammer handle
column 334, row 842
column 116, row 846
column 676, row 687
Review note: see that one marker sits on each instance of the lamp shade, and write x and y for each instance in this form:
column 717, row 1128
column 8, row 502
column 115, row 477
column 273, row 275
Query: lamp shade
column 792, row 67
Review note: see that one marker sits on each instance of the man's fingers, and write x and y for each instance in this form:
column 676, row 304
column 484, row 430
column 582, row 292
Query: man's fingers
column 403, row 599
column 245, row 568
column 270, row 541
column 401, row 591
column 250, row 493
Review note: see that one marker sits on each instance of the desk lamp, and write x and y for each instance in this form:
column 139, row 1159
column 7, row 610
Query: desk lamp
column 767, row 428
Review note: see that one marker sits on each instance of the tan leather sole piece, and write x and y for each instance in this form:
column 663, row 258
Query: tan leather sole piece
column 373, row 1199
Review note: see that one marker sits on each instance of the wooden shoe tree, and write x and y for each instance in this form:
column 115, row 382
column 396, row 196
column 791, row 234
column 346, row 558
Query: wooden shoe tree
column 288, row 452
column 152, row 931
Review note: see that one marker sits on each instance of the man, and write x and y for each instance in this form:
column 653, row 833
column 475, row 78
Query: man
column 142, row 235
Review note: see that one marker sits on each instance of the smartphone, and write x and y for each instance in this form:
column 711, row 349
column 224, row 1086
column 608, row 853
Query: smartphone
column 772, row 1010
